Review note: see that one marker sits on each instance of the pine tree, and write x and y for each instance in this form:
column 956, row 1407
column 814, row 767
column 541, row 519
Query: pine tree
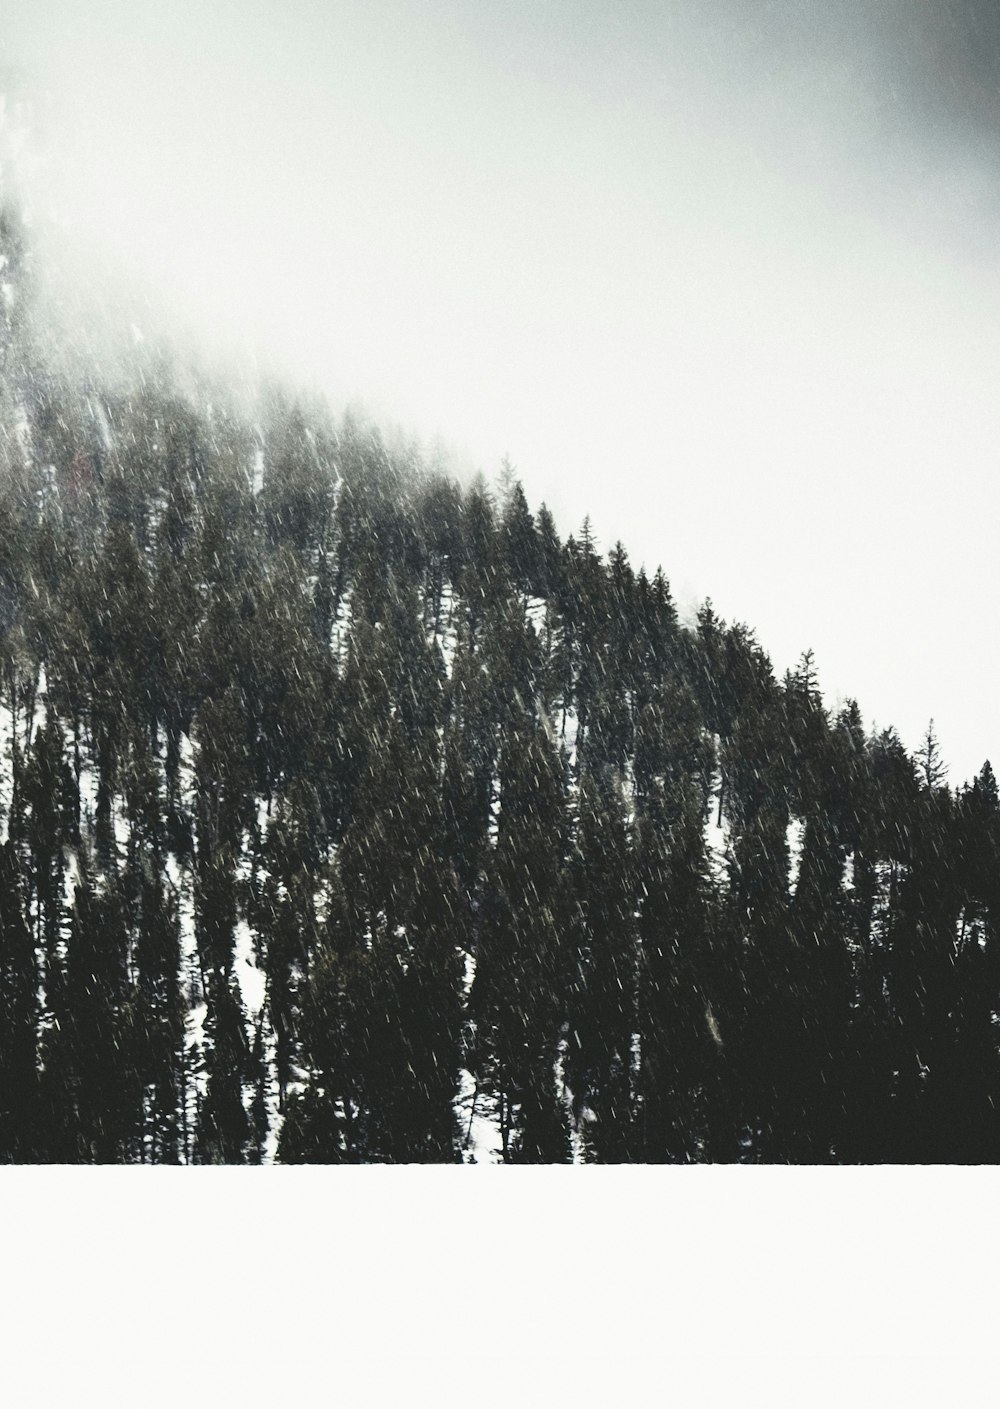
column 18, row 1019
column 518, row 995
column 601, row 1059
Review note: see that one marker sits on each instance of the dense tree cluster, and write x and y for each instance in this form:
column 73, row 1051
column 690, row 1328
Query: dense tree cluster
column 348, row 812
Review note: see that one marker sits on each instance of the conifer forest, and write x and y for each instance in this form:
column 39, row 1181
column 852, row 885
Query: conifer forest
column 350, row 813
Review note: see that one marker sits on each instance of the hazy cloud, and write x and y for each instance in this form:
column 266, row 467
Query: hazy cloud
column 724, row 276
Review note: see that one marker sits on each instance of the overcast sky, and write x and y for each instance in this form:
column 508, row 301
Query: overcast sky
column 726, row 277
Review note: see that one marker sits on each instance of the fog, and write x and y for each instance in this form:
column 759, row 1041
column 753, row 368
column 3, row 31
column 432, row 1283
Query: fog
column 724, row 277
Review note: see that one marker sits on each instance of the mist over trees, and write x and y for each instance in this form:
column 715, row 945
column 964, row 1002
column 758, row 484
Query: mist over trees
column 349, row 814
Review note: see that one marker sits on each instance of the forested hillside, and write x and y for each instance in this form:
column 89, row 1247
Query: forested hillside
column 350, row 813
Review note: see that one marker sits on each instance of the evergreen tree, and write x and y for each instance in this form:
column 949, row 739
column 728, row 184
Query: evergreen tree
column 18, row 1019
column 518, row 994
column 601, row 1058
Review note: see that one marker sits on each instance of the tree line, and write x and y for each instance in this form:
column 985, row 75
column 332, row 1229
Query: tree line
column 346, row 808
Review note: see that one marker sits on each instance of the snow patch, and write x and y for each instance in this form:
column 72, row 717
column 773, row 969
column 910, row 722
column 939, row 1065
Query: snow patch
column 482, row 1142
column 251, row 979
column 717, row 836
column 794, row 836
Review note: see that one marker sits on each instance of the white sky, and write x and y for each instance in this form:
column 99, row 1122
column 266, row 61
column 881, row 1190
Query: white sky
column 727, row 286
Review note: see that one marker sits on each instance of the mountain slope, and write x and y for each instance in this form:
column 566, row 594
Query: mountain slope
column 349, row 814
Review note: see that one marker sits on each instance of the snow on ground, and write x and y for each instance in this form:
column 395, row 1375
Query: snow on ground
column 717, row 838
column 341, row 629
column 7, row 747
column 120, row 827
column 88, row 790
column 566, row 1097
column 197, row 1009
column 848, row 880
column 251, row 979
column 447, row 637
column 569, row 729
column 479, row 1135
column 478, row 1122
column 185, row 911
column 71, row 877
column 475, row 1112
column 536, row 612
column 6, row 772
column 795, row 834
